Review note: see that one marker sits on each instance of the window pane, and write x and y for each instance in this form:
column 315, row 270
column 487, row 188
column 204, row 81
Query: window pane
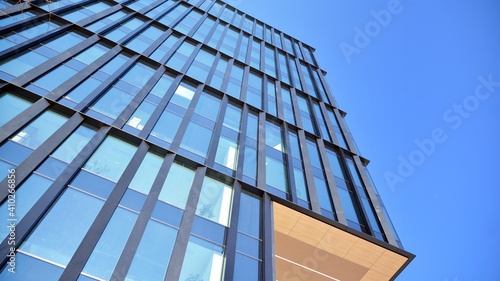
column 176, row 187
column 167, row 125
column 183, row 95
column 107, row 251
column 197, row 139
column 246, row 268
column 208, row 106
column 275, row 174
column 60, row 232
column 227, row 153
column 74, row 144
column 26, row 194
column 39, row 130
column 215, row 201
column 111, row 158
column 11, row 106
column 249, row 215
column 203, row 261
column 141, row 115
column 232, row 118
column 146, row 174
column 153, row 254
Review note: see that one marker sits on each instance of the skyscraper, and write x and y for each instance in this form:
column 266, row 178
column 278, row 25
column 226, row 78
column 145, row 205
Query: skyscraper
column 177, row 140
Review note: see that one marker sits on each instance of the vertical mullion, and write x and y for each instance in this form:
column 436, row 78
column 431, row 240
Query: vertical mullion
column 182, row 239
column 36, row 213
column 130, row 248
column 86, row 247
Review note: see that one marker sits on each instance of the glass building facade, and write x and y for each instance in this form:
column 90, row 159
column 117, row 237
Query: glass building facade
column 176, row 140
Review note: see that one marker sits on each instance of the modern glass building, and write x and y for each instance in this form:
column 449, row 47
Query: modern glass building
column 177, row 140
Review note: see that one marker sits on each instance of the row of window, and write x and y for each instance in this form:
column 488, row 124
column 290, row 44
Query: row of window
column 256, row 28
column 169, row 11
column 55, row 239
column 108, row 102
column 271, row 61
column 224, row 136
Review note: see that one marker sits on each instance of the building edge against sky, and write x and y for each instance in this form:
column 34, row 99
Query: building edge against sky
column 208, row 140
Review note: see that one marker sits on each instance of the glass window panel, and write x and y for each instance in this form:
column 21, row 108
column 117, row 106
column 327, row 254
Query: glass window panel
column 74, row 144
column 32, row 268
column 183, row 95
column 160, row 89
column 25, row 32
column 227, row 153
column 232, row 118
column 323, row 194
column 335, row 164
column 250, row 163
column 78, row 94
column 300, row 184
column 153, row 254
column 347, row 200
column 246, row 268
column 11, row 106
column 16, row 17
column 215, row 201
column 27, row 194
column 203, row 261
column 56, row 77
column 176, row 187
column 314, row 154
column 197, row 139
column 111, row 158
column 113, row 102
column 208, row 106
column 370, row 213
column 17, row 65
column 39, row 130
column 60, row 232
column 276, row 174
column 248, row 245
column 167, row 126
column 141, row 115
column 252, row 126
column 354, row 173
column 103, row 259
column 249, row 214
column 146, row 174
column 273, row 137
column 180, row 56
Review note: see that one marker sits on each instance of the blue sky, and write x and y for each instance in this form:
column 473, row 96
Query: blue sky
column 422, row 93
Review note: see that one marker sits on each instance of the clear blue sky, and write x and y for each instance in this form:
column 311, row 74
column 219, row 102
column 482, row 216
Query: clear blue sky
column 416, row 80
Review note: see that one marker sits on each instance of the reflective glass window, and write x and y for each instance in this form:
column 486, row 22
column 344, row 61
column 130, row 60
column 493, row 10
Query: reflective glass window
column 39, row 130
column 10, row 106
column 188, row 22
column 215, row 200
column 25, row 33
column 60, row 232
column 201, row 65
column 173, row 14
column 111, row 158
column 124, row 29
column 202, row 33
column 203, row 260
column 85, row 11
column 180, row 56
column 176, row 187
column 153, row 254
column 146, row 38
